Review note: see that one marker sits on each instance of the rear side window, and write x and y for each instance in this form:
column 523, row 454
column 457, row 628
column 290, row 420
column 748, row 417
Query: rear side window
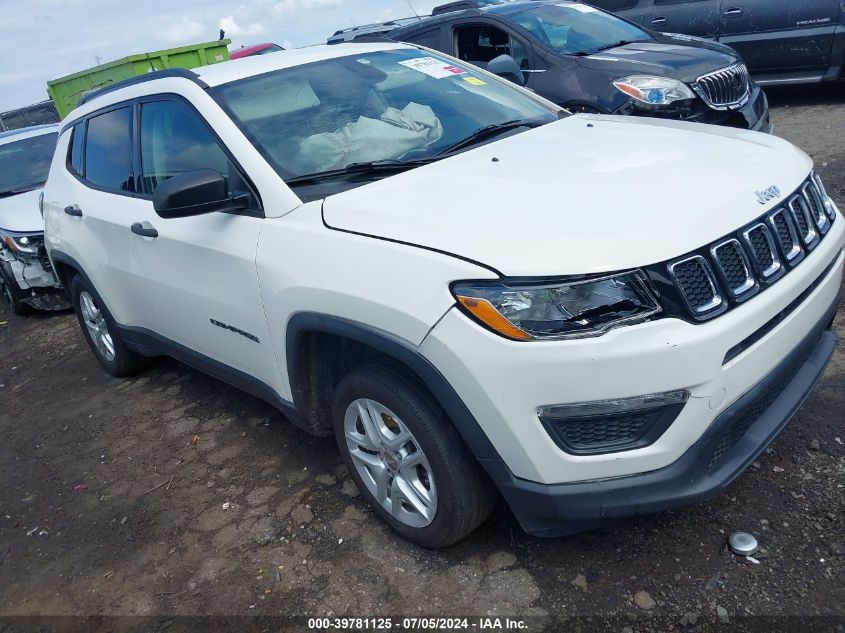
column 174, row 140
column 108, row 150
column 615, row 5
column 430, row 38
column 76, row 144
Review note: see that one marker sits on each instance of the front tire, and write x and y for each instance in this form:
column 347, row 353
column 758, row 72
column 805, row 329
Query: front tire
column 407, row 459
column 13, row 295
column 101, row 332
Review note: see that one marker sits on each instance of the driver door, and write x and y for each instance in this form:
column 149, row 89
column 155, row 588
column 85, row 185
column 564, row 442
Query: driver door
column 200, row 270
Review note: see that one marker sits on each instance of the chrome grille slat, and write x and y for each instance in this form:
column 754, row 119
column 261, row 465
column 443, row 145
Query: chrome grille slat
column 814, row 202
column 698, row 285
column 786, row 233
column 804, row 221
column 761, row 245
column 725, row 88
column 734, row 268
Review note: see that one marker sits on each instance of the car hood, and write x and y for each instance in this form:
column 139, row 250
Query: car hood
column 678, row 57
column 583, row 195
column 20, row 213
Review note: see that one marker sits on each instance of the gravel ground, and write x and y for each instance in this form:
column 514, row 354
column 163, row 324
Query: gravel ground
column 171, row 493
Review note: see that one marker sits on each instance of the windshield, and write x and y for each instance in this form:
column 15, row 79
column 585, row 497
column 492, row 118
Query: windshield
column 24, row 164
column 400, row 105
column 574, row 29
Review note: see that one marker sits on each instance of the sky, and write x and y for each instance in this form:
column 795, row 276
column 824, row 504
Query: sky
column 46, row 39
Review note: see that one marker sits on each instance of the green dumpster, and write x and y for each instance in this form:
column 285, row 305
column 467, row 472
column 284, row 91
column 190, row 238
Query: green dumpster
column 67, row 91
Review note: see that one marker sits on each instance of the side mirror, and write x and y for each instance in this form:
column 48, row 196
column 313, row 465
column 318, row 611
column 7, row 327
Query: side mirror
column 195, row 193
column 506, row 66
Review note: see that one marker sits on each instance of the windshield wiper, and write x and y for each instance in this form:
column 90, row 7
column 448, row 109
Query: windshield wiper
column 373, row 168
column 607, row 47
column 489, row 131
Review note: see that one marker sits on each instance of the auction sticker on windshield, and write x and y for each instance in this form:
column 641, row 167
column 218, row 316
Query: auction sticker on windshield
column 432, row 67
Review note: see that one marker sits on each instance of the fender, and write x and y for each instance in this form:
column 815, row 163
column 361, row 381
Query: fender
column 399, row 350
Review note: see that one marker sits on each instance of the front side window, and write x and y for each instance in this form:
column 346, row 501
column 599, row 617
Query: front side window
column 480, row 44
column 108, row 150
column 174, row 140
column 398, row 105
column 578, row 29
column 24, row 164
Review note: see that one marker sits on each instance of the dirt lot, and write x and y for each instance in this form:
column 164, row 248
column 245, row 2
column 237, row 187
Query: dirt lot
column 108, row 507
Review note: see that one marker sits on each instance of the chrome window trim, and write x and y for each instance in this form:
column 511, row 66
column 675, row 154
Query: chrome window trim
column 811, row 237
column 750, row 281
column 717, row 301
column 822, row 222
column 796, row 254
column 776, row 267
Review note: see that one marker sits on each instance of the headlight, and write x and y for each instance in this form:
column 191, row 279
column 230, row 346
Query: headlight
column 526, row 311
column 654, row 91
column 27, row 244
column 828, row 203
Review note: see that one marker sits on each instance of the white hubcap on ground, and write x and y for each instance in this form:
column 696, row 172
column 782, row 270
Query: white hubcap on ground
column 96, row 324
column 390, row 462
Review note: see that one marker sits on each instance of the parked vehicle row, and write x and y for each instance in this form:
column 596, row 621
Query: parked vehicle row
column 26, row 275
column 781, row 42
column 471, row 288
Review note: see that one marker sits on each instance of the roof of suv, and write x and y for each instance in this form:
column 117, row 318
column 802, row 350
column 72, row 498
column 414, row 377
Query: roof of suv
column 505, row 9
column 27, row 132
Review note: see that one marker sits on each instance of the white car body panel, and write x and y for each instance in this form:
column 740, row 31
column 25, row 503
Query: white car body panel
column 20, row 213
column 554, row 192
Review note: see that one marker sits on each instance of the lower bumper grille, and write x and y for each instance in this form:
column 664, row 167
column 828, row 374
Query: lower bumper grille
column 735, row 432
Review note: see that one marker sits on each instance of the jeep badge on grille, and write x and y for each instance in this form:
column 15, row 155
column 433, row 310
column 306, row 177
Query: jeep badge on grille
column 767, row 194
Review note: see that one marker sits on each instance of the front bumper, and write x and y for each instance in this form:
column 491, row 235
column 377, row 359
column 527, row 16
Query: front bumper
column 503, row 383
column 754, row 115
column 729, row 445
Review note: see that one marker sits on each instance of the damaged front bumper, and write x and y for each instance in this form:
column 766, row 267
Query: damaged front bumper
column 31, row 274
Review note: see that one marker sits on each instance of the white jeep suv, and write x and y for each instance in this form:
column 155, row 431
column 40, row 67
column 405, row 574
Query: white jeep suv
column 474, row 291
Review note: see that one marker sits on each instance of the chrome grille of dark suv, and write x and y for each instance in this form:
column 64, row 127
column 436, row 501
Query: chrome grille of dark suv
column 755, row 257
column 725, row 88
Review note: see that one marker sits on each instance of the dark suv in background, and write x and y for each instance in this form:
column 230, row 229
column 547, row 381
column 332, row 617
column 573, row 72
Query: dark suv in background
column 781, row 41
column 586, row 59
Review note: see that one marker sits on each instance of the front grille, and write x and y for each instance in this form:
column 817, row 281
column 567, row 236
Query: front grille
column 752, row 259
column 726, row 88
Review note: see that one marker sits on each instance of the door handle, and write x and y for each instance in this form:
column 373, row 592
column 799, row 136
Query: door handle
column 733, row 13
column 144, row 231
column 74, row 210
column 659, row 21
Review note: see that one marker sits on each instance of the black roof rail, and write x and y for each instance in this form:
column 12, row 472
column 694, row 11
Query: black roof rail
column 157, row 74
column 460, row 5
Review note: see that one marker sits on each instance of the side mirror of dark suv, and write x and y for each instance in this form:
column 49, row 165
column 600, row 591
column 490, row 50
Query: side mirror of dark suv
column 506, row 66
column 195, row 193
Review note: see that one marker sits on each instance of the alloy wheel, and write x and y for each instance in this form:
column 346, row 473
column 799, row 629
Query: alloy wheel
column 95, row 322
column 390, row 462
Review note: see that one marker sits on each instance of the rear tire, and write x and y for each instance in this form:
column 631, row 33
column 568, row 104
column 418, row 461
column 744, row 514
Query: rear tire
column 407, row 459
column 101, row 332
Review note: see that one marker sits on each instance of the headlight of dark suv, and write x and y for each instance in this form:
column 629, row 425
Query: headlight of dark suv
column 570, row 308
column 26, row 245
